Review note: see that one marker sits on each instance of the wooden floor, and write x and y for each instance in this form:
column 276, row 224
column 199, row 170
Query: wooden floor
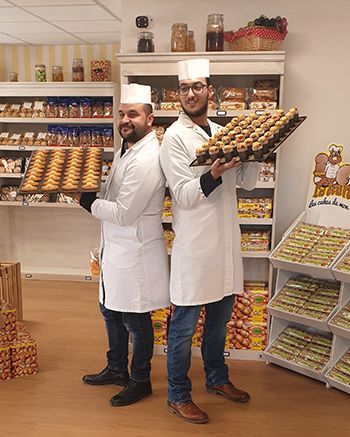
column 64, row 319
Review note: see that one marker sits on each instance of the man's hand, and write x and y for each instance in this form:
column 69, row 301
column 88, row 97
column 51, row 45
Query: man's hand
column 219, row 169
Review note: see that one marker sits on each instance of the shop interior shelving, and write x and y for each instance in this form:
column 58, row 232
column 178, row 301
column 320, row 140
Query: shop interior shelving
column 51, row 240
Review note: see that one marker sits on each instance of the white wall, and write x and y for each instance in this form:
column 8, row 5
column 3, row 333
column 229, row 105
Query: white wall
column 317, row 72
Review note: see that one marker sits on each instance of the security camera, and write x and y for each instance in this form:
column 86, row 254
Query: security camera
column 144, row 21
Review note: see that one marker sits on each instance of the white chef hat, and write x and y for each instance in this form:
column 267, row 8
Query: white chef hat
column 135, row 93
column 193, row 68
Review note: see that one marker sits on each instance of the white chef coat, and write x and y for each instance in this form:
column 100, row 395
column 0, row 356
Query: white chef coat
column 206, row 261
column 135, row 275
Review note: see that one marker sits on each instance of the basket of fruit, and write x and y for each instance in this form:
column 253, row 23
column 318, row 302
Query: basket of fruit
column 262, row 34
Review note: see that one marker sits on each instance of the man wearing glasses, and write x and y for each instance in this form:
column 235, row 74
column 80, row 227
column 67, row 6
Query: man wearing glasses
column 206, row 263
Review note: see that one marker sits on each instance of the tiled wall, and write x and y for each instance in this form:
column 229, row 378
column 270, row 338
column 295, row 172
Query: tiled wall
column 22, row 59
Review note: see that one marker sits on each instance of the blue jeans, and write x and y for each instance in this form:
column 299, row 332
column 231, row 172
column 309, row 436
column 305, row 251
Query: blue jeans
column 182, row 328
column 118, row 326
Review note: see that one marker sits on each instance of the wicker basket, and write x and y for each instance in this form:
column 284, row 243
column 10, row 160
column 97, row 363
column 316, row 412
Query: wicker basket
column 255, row 38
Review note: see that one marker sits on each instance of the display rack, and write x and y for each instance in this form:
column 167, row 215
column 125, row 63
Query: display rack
column 341, row 336
column 51, row 240
column 280, row 320
column 226, row 69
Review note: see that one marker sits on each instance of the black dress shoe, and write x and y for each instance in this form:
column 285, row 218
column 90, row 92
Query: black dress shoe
column 107, row 376
column 131, row 393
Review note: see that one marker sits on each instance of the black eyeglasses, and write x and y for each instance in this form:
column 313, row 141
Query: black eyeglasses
column 197, row 88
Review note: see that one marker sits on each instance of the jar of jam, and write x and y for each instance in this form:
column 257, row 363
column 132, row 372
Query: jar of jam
column 179, row 37
column 78, row 70
column 145, row 42
column 215, row 33
column 191, row 45
column 13, row 76
column 57, row 73
column 40, row 73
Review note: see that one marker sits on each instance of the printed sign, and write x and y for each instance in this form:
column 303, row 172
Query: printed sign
column 328, row 201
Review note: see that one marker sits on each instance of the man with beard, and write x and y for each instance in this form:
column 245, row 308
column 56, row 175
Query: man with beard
column 134, row 265
column 206, row 263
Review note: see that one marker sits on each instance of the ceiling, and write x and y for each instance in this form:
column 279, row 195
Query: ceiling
column 46, row 22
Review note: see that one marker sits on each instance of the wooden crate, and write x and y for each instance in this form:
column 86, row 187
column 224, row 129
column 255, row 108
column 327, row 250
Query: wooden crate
column 11, row 286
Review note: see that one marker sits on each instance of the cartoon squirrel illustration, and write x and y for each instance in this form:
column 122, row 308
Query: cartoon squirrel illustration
column 327, row 167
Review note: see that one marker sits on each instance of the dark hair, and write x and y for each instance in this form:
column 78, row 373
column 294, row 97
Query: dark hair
column 208, row 80
column 148, row 108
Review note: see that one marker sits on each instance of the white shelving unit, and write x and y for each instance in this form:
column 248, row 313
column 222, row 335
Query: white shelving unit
column 341, row 336
column 51, row 240
column 280, row 320
column 226, row 69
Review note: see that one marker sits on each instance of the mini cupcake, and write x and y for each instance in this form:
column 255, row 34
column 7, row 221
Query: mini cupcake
column 254, row 136
column 250, row 129
column 241, row 117
column 231, row 135
column 264, row 142
column 245, row 132
column 295, row 113
column 220, row 145
column 229, row 125
column 275, row 132
column 214, row 153
column 240, row 138
column 243, row 124
column 201, row 155
column 281, row 128
column 290, row 117
column 256, row 123
column 226, row 139
column 234, row 121
column 280, row 112
column 224, row 131
column 259, row 131
column 264, row 125
column 228, row 152
column 234, row 146
column 242, row 151
column 270, row 140
column 285, row 122
column 237, row 130
column 258, row 151
column 248, row 142
column 206, row 146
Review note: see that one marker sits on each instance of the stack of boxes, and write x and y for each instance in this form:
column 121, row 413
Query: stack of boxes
column 18, row 349
column 247, row 328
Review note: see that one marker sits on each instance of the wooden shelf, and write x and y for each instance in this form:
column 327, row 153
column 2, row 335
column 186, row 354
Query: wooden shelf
column 22, row 120
column 58, row 274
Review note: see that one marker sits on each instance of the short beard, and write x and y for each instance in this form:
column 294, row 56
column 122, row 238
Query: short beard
column 133, row 137
column 201, row 111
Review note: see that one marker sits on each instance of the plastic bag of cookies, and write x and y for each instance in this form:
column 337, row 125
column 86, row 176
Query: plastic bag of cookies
column 26, row 110
column 39, row 110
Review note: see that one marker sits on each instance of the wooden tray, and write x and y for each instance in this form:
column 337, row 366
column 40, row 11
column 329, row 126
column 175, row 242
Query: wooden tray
column 266, row 156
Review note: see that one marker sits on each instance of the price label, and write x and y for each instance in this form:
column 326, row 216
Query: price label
column 28, row 275
column 25, row 203
column 221, row 112
column 21, row 147
column 227, row 354
column 88, row 278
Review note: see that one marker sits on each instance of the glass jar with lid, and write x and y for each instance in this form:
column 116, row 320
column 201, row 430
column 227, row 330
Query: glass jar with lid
column 40, row 73
column 145, row 42
column 191, row 45
column 78, row 70
column 215, row 33
column 57, row 73
column 179, row 37
column 13, row 76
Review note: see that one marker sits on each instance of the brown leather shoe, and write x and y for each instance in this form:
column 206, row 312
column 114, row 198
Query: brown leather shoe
column 229, row 391
column 188, row 411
